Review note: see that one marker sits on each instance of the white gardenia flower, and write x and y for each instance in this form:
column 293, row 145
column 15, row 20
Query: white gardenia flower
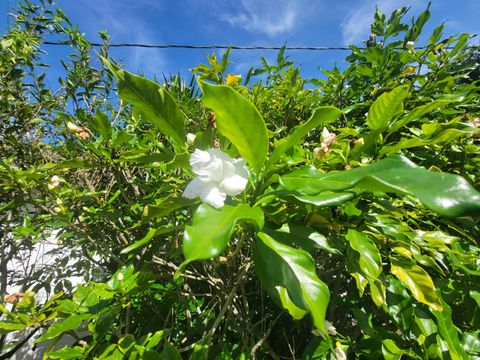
column 190, row 138
column 218, row 176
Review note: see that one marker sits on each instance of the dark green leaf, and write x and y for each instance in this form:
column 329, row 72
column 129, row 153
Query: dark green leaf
column 447, row 194
column 211, row 229
column 370, row 259
column 279, row 265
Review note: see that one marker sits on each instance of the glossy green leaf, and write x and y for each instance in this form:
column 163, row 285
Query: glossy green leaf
column 418, row 113
column 239, row 121
column 150, row 100
column 325, row 198
column 152, row 232
column 66, row 353
column 424, row 322
column 102, row 125
column 447, row 194
column 370, row 261
column 321, row 116
column 439, row 137
column 306, row 237
column 377, row 292
column 60, row 327
column 449, row 332
column 391, row 351
column 418, row 282
column 212, row 228
column 164, row 208
column 287, row 303
column 386, row 107
column 8, row 326
column 277, row 264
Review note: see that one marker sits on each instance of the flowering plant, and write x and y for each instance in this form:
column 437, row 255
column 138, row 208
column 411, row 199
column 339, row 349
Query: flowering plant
column 218, row 176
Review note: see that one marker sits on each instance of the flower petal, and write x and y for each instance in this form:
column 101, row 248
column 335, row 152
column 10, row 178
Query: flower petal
column 195, row 188
column 199, row 159
column 233, row 185
column 214, row 197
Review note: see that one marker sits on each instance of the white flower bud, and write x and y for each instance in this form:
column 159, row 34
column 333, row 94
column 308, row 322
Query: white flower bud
column 191, row 138
column 54, row 182
column 120, row 277
column 410, row 44
column 339, row 353
column 330, row 328
column 71, row 126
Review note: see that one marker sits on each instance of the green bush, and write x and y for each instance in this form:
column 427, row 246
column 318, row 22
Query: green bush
column 258, row 220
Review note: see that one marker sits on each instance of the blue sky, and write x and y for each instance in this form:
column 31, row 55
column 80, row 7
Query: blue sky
column 243, row 22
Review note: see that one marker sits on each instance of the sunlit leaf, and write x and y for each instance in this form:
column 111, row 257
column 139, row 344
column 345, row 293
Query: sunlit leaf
column 239, row 121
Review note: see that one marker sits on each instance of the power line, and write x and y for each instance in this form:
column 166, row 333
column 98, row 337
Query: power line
column 177, row 46
column 246, row 47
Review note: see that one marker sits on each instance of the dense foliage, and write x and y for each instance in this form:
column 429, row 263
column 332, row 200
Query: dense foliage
column 356, row 235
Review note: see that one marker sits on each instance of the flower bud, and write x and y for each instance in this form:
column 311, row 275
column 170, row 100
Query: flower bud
column 71, row 126
column 54, row 182
column 410, row 44
column 339, row 353
column 330, row 328
column 190, row 138
column 120, row 277
column 360, row 142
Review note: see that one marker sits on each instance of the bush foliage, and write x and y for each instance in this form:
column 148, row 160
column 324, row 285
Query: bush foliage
column 356, row 235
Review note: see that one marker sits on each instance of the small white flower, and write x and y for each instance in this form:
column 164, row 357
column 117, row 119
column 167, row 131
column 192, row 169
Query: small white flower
column 410, row 44
column 218, row 176
column 330, row 328
column 191, row 138
column 71, row 126
column 54, row 182
column 120, row 277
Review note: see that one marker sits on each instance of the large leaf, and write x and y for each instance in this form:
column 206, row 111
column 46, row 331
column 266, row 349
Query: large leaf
column 211, row 229
column 70, row 323
column 418, row 282
column 446, row 194
column 445, row 133
column 239, row 121
column 370, row 261
column 151, row 101
column 418, row 113
column 386, row 107
column 449, row 332
column 321, row 116
column 281, row 266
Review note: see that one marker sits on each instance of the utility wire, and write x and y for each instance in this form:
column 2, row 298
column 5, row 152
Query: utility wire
column 176, row 46
column 247, row 47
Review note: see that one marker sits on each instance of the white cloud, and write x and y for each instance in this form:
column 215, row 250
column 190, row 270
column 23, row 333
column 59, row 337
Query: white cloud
column 356, row 24
column 263, row 16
